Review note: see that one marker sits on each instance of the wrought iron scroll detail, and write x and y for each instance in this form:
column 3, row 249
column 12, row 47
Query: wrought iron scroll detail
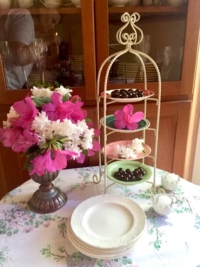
column 133, row 38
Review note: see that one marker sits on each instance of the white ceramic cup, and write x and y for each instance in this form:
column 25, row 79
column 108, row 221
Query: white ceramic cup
column 176, row 2
column 5, row 4
column 152, row 2
column 162, row 204
column 170, row 181
column 25, row 3
column 134, row 3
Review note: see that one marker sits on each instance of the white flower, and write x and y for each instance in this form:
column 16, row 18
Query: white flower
column 129, row 151
column 10, row 116
column 40, row 124
column 39, row 92
column 63, row 91
column 137, row 145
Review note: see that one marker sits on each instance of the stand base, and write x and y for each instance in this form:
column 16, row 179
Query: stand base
column 47, row 202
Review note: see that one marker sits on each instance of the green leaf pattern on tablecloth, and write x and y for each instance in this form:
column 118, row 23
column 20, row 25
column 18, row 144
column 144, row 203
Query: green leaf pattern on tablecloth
column 80, row 259
column 3, row 256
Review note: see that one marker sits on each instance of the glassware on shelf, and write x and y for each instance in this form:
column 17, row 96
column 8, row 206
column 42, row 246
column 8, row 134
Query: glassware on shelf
column 39, row 50
column 7, row 59
column 143, row 46
column 165, row 55
column 51, row 3
column 152, row 2
column 176, row 2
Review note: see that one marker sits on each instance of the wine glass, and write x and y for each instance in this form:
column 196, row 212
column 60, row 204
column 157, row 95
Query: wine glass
column 143, row 46
column 165, row 55
column 39, row 50
column 7, row 59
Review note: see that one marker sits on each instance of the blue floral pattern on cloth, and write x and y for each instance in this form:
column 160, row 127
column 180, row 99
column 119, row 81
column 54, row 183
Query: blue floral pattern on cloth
column 45, row 235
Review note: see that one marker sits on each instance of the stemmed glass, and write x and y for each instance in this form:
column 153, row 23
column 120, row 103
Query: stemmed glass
column 165, row 55
column 143, row 46
column 7, row 58
column 39, row 50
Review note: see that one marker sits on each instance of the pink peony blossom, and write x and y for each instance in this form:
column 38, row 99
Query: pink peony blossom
column 57, row 110
column 126, row 119
column 27, row 112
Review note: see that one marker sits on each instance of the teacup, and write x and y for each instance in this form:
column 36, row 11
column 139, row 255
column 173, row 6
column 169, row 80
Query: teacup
column 134, row 3
column 5, row 4
column 170, row 181
column 176, row 2
column 152, row 2
column 162, row 204
column 25, row 3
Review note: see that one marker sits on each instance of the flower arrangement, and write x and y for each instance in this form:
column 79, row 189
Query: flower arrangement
column 49, row 127
column 126, row 119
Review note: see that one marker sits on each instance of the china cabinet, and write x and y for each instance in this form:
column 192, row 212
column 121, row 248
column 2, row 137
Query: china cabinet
column 90, row 29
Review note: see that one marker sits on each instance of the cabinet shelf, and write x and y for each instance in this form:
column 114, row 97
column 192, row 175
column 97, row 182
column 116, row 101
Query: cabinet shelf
column 43, row 11
column 152, row 10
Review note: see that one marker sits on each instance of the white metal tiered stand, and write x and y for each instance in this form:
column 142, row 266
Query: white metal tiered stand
column 128, row 40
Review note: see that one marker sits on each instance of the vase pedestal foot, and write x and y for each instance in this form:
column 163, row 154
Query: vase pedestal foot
column 47, row 199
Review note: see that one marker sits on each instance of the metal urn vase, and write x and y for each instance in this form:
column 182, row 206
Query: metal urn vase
column 47, row 198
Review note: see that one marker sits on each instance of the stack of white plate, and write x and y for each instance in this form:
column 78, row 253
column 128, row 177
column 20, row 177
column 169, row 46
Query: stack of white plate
column 106, row 226
column 133, row 70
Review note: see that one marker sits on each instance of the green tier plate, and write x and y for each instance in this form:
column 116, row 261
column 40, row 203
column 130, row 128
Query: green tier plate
column 132, row 165
column 110, row 119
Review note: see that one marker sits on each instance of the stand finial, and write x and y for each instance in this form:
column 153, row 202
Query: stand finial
column 129, row 39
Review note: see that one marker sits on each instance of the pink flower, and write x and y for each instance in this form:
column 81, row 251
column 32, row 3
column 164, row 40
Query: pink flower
column 18, row 139
column 126, row 119
column 96, row 147
column 45, row 162
column 57, row 110
column 27, row 112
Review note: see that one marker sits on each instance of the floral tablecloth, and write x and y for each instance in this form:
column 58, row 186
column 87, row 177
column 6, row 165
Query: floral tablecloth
column 29, row 240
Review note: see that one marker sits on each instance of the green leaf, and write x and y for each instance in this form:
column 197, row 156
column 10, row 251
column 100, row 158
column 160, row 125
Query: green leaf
column 40, row 101
column 65, row 97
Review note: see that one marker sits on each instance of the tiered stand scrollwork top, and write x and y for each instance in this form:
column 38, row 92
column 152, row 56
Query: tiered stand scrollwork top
column 111, row 163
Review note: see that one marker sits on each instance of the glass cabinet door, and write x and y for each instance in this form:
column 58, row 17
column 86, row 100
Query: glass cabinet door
column 167, row 39
column 45, row 42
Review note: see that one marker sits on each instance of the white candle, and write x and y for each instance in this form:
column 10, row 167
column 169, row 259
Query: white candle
column 164, row 200
column 57, row 46
column 172, row 178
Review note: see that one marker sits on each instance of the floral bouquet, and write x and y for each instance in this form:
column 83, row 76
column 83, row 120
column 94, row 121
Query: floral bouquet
column 50, row 127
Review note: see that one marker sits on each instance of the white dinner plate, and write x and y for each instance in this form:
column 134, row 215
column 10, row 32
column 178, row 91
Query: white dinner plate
column 94, row 221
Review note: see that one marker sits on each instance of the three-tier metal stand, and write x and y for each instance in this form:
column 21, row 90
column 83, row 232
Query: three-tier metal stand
column 105, row 123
